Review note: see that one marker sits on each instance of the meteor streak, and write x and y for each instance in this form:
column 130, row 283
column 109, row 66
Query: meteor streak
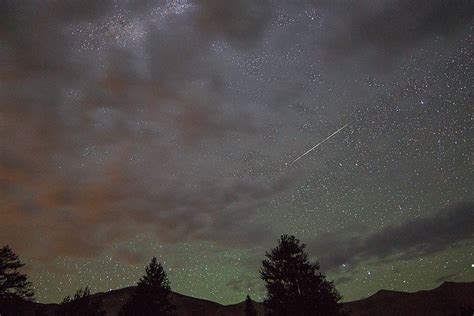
column 317, row 145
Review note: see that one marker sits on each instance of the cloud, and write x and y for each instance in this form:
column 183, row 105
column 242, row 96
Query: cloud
column 243, row 22
column 416, row 237
column 106, row 136
column 387, row 29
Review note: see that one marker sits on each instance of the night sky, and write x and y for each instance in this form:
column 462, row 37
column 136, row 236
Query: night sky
column 132, row 129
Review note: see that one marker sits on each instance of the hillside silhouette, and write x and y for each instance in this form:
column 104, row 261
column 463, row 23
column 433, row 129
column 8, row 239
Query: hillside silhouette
column 449, row 299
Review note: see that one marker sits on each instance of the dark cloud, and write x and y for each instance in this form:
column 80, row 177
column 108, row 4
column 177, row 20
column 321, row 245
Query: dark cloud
column 386, row 29
column 243, row 22
column 425, row 235
column 416, row 237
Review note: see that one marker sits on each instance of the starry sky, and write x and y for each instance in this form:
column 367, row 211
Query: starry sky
column 132, row 129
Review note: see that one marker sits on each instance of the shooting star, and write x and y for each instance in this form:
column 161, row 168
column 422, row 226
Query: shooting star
column 317, row 145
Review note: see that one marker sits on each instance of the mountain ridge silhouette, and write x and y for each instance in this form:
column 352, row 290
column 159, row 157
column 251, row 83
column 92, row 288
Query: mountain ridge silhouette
column 449, row 298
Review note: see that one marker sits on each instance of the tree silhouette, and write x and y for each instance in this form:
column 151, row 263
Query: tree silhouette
column 249, row 308
column 80, row 304
column 15, row 288
column 13, row 284
column 294, row 284
column 151, row 296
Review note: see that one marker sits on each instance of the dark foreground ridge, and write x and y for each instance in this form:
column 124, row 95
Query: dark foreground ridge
column 450, row 298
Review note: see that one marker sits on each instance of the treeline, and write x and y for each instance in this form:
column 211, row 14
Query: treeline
column 294, row 284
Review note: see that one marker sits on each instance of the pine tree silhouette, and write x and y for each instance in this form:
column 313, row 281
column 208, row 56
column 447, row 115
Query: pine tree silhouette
column 294, row 284
column 13, row 284
column 249, row 308
column 151, row 296
column 15, row 288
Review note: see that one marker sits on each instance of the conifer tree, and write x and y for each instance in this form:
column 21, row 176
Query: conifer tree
column 294, row 284
column 151, row 296
column 13, row 284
